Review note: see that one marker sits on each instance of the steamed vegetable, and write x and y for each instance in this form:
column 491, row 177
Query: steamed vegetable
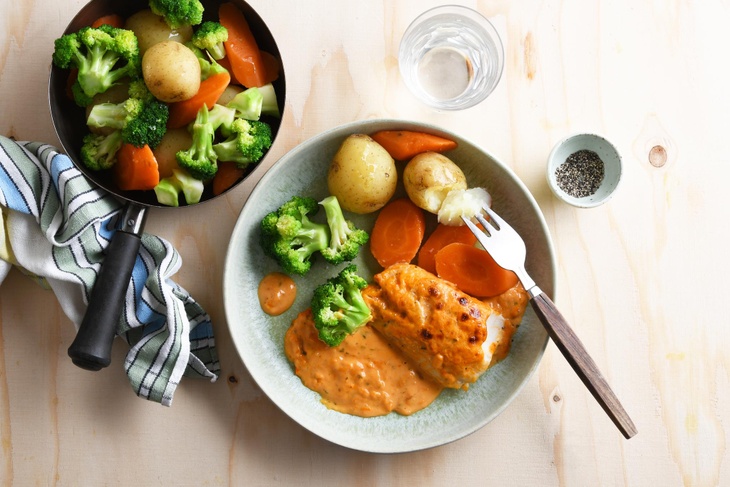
column 362, row 175
column 169, row 189
column 200, row 160
column 473, row 270
column 345, row 239
column 402, row 145
column 463, row 203
column 171, row 71
column 99, row 151
column 210, row 36
column 103, row 57
column 178, row 13
column 209, row 90
column 242, row 51
column 136, row 168
column 248, row 142
column 397, row 233
column 442, row 236
column 289, row 236
column 151, row 29
column 227, row 175
column 429, row 177
column 338, row 307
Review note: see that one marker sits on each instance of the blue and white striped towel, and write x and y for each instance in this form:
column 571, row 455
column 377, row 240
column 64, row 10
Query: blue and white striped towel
column 56, row 227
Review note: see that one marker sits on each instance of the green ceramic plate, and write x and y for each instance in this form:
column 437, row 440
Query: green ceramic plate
column 259, row 337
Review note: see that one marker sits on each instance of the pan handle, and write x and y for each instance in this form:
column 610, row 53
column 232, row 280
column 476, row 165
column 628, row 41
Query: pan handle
column 91, row 349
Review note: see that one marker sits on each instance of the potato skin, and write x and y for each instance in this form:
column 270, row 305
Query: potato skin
column 171, row 71
column 151, row 29
column 428, row 178
column 362, row 175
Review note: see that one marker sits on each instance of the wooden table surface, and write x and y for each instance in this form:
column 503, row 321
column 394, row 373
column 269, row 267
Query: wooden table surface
column 640, row 278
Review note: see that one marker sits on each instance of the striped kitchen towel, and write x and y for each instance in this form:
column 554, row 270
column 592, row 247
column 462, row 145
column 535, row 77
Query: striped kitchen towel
column 56, row 225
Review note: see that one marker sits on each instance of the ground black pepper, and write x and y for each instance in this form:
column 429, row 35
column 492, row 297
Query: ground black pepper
column 581, row 174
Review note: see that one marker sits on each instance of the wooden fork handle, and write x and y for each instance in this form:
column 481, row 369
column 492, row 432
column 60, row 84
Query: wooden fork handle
column 582, row 363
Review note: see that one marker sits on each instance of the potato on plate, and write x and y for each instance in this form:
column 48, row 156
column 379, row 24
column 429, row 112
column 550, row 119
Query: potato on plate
column 362, row 175
column 429, row 177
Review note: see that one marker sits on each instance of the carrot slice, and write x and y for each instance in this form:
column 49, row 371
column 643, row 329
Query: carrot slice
column 136, row 168
column 442, row 236
column 404, row 144
column 227, row 175
column 184, row 112
column 113, row 19
column 398, row 232
column 241, row 48
column 272, row 66
column 227, row 65
column 473, row 270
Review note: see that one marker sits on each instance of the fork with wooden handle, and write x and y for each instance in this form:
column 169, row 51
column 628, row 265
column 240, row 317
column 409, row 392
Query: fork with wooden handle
column 508, row 249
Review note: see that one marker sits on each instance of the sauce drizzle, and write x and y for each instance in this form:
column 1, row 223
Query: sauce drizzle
column 276, row 293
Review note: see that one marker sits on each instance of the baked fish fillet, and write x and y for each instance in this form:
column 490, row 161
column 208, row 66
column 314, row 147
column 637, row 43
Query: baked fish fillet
column 450, row 336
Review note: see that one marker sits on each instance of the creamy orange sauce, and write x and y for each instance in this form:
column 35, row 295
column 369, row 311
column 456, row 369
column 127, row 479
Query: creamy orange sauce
column 276, row 293
column 363, row 376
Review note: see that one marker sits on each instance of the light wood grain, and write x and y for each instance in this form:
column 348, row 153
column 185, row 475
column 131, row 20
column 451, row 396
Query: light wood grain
column 640, row 278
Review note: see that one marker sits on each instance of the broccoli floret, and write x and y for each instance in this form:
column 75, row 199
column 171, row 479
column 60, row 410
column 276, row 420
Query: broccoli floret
column 248, row 104
column 140, row 122
column 208, row 65
column 114, row 115
column 103, row 56
column 345, row 238
column 169, row 188
column 338, row 307
column 149, row 126
column 247, row 143
column 200, row 160
column 99, row 152
column 178, row 13
column 270, row 105
column 211, row 36
column 222, row 117
column 138, row 89
column 290, row 237
column 81, row 98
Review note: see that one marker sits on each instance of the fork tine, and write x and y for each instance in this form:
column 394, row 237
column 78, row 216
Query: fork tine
column 485, row 223
column 497, row 220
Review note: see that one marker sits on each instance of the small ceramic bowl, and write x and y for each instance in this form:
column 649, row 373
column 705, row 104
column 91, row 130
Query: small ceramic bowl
column 561, row 185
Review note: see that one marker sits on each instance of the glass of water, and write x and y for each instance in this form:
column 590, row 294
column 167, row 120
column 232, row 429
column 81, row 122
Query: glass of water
column 451, row 57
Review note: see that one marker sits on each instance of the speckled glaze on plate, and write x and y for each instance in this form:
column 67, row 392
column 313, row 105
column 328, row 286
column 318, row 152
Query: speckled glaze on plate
column 258, row 337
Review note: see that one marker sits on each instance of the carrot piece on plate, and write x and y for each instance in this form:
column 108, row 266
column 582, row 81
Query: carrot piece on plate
column 473, row 270
column 442, row 236
column 402, row 145
column 397, row 233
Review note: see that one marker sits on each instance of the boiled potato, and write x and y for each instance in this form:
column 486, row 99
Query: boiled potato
column 429, row 177
column 362, row 175
column 229, row 94
column 173, row 141
column 171, row 71
column 151, row 29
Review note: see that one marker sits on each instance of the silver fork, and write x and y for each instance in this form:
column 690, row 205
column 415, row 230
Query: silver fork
column 508, row 249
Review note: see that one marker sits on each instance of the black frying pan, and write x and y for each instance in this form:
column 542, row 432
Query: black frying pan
column 92, row 347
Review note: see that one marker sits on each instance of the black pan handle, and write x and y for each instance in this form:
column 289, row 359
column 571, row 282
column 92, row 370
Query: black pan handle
column 91, row 349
